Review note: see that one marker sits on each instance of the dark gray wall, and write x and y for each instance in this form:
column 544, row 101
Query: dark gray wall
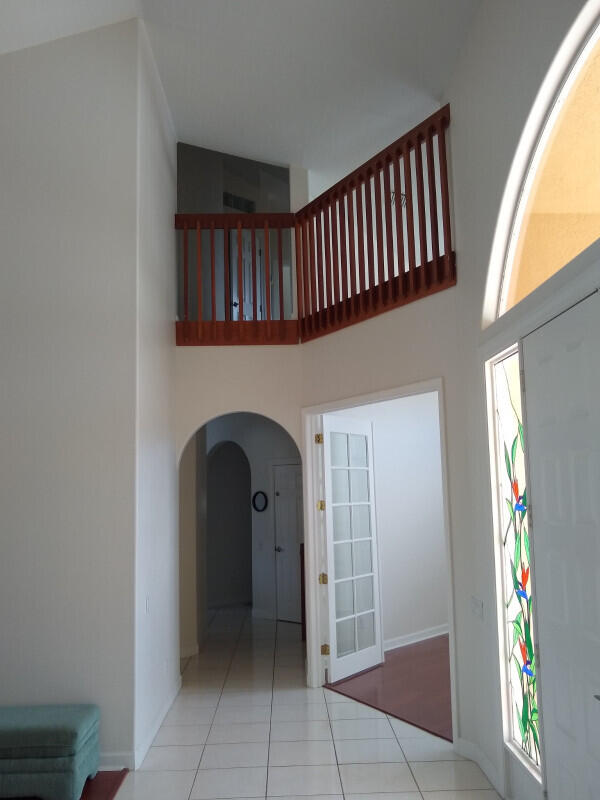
column 228, row 527
column 203, row 176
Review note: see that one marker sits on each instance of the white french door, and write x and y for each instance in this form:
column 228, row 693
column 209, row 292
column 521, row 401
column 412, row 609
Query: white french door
column 353, row 585
column 561, row 362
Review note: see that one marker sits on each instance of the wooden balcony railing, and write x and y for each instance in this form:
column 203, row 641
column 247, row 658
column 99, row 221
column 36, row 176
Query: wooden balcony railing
column 240, row 289
column 378, row 239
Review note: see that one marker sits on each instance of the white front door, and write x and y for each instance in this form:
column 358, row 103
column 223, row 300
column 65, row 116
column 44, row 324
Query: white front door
column 288, row 528
column 353, row 585
column 561, row 362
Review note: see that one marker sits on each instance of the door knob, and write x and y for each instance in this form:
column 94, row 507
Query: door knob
column 278, row 549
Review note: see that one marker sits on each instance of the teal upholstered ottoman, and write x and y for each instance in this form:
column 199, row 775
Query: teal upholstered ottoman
column 48, row 751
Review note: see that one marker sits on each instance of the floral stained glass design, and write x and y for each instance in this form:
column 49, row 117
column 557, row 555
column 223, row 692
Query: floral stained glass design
column 517, row 602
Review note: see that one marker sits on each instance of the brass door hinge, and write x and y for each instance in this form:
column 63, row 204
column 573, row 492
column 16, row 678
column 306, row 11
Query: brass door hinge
column 321, row 505
column 319, row 438
column 324, row 649
column 323, row 578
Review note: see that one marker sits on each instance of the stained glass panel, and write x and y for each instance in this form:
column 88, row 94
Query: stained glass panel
column 517, row 602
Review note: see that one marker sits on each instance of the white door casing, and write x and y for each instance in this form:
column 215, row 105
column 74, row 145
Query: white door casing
column 287, row 481
column 561, row 363
column 353, row 586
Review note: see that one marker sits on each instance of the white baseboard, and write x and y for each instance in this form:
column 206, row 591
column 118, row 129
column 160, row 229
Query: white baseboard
column 188, row 650
column 142, row 749
column 473, row 753
column 418, row 636
column 116, row 761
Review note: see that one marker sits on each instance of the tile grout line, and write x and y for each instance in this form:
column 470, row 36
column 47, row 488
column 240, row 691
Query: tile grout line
column 235, row 646
column 334, row 745
column 405, row 758
column 271, row 714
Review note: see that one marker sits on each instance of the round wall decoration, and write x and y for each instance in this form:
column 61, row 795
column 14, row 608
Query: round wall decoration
column 259, row 501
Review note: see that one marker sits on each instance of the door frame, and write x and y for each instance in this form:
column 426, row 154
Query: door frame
column 314, row 525
column 282, row 462
column 566, row 288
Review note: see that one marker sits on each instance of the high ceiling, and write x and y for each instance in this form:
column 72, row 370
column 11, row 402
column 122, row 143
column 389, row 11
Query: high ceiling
column 321, row 84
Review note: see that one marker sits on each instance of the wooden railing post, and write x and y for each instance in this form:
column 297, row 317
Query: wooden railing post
column 186, row 308
column 199, row 269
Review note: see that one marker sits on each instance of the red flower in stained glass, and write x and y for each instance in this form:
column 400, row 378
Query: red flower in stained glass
column 523, row 651
column 524, row 577
column 515, row 488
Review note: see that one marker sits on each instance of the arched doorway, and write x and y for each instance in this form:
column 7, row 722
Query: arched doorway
column 233, row 552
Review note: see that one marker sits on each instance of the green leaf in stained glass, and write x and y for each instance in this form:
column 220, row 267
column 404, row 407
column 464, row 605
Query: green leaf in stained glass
column 535, row 736
column 525, row 715
column 522, row 437
column 507, row 462
column 521, row 726
column 514, row 575
column 528, row 641
column 517, row 630
column 518, row 550
column 513, row 452
column 511, row 510
column 526, row 543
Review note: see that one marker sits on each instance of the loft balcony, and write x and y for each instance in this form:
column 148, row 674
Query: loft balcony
column 376, row 240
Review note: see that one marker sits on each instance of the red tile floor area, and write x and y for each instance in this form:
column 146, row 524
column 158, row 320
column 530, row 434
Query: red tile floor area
column 412, row 684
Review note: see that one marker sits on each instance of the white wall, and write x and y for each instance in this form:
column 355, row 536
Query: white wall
column 188, row 551
column 68, row 130
column 410, row 516
column 201, row 513
column 262, row 441
column 157, row 537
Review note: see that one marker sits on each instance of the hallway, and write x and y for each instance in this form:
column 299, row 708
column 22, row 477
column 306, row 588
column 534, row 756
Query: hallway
column 245, row 726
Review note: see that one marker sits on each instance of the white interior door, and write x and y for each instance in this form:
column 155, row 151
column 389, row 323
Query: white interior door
column 288, row 535
column 561, row 363
column 353, row 586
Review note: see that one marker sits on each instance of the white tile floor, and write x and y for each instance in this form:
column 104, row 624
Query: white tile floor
column 243, row 726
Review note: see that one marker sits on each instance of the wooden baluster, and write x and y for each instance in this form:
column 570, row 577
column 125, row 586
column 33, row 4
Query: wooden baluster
column 379, row 229
column 425, row 279
column 362, row 299
column 268, row 277
column 321, row 272
column 307, row 322
column 410, row 220
column 280, row 268
column 213, row 287
column 337, row 306
column 240, row 276
column 316, row 322
column 370, row 234
column 227, row 296
column 343, row 261
column 389, row 232
column 448, row 268
column 399, row 227
column 330, row 314
column 186, row 310
column 352, row 252
column 254, row 286
column 299, row 302
column 435, row 243
column 199, row 270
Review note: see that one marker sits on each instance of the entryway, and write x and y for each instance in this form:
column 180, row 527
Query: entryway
column 377, row 475
column 240, row 525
